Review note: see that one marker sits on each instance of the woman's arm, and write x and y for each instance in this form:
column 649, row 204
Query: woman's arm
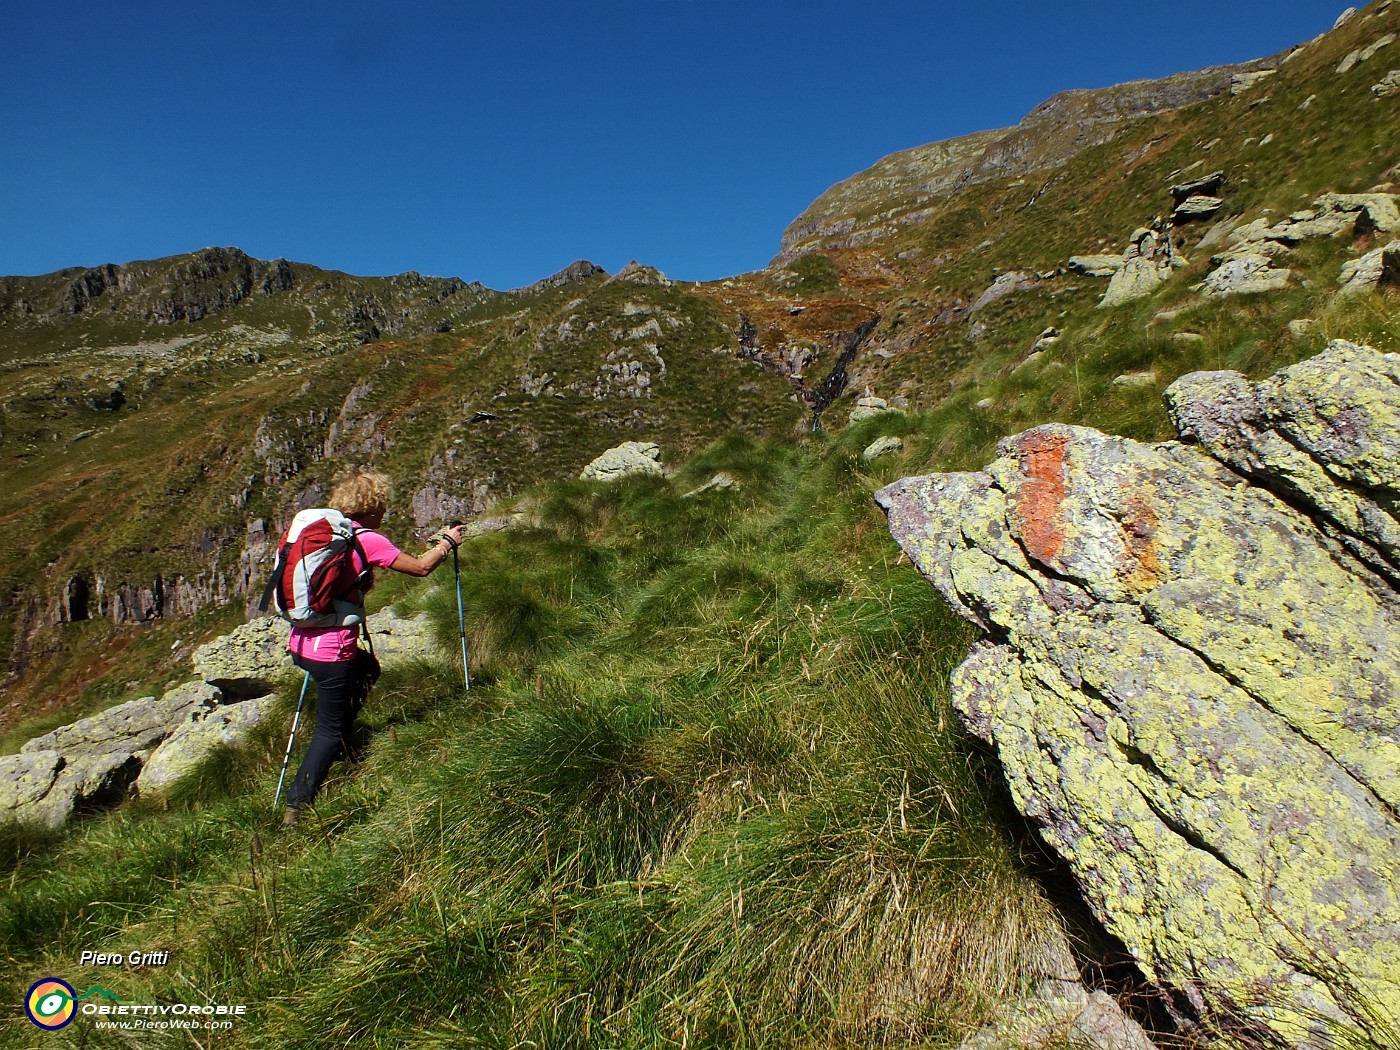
column 431, row 558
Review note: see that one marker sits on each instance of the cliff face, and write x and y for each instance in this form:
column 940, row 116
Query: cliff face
column 1191, row 677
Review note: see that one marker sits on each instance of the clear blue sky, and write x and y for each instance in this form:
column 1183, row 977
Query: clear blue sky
column 499, row 142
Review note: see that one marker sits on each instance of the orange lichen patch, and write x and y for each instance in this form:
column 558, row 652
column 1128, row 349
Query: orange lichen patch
column 1145, row 569
column 1038, row 507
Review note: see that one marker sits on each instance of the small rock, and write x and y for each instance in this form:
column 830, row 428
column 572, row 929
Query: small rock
column 986, row 403
column 1095, row 265
column 1301, row 327
column 881, row 447
column 1197, row 207
column 1389, row 85
column 1187, row 338
column 1372, row 270
column 721, row 482
column 1133, row 379
column 868, row 406
column 625, row 460
column 1030, row 360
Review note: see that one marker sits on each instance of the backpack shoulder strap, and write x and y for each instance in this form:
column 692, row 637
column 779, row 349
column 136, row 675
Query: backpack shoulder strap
column 274, row 577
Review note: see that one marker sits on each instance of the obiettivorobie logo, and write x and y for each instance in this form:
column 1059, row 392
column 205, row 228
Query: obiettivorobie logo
column 51, row 1003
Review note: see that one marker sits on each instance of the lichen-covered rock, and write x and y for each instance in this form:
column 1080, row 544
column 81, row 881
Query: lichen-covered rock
column 1322, row 432
column 869, row 406
column 880, row 447
column 26, row 778
column 1375, row 268
column 230, row 726
column 249, row 660
column 403, row 638
column 94, row 762
column 627, row 459
column 137, row 725
column 46, row 788
column 1191, row 683
column 1388, row 85
column 1246, row 274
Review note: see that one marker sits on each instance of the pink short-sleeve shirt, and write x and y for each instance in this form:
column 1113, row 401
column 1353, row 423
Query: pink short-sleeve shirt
column 337, row 644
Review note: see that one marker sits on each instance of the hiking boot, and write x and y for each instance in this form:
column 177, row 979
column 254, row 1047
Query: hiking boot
column 290, row 818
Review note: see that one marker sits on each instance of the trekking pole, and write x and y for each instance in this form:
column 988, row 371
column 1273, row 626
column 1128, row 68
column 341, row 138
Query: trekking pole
column 461, row 618
column 288, row 756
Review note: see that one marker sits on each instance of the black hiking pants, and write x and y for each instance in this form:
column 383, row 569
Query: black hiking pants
column 340, row 693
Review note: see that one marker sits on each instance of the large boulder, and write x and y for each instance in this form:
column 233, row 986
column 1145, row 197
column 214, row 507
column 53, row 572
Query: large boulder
column 625, row 460
column 1244, row 275
column 229, row 726
column 94, row 762
column 132, row 727
column 1190, row 676
column 249, row 660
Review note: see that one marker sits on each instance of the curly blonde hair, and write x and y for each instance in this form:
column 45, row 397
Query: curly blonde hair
column 361, row 493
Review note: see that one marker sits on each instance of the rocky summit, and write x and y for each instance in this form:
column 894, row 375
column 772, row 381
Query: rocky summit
column 1190, row 676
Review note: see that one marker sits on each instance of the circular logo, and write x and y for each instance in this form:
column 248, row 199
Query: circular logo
column 50, row 1003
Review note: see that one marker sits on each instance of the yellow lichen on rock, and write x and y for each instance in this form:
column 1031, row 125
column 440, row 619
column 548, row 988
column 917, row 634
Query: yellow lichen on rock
column 1192, row 686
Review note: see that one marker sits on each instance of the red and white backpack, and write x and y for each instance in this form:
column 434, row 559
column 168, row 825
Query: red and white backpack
column 315, row 581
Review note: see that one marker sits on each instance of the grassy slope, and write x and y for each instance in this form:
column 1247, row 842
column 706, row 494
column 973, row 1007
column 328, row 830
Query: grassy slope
column 706, row 791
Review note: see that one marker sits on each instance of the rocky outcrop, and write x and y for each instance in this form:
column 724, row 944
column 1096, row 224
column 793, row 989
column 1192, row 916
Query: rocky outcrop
column 1148, row 263
column 94, row 762
column 581, row 270
column 146, row 745
column 1190, row 676
column 1332, row 215
column 249, row 660
column 625, row 460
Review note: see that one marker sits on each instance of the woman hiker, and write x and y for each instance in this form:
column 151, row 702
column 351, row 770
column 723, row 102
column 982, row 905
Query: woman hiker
column 331, row 655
